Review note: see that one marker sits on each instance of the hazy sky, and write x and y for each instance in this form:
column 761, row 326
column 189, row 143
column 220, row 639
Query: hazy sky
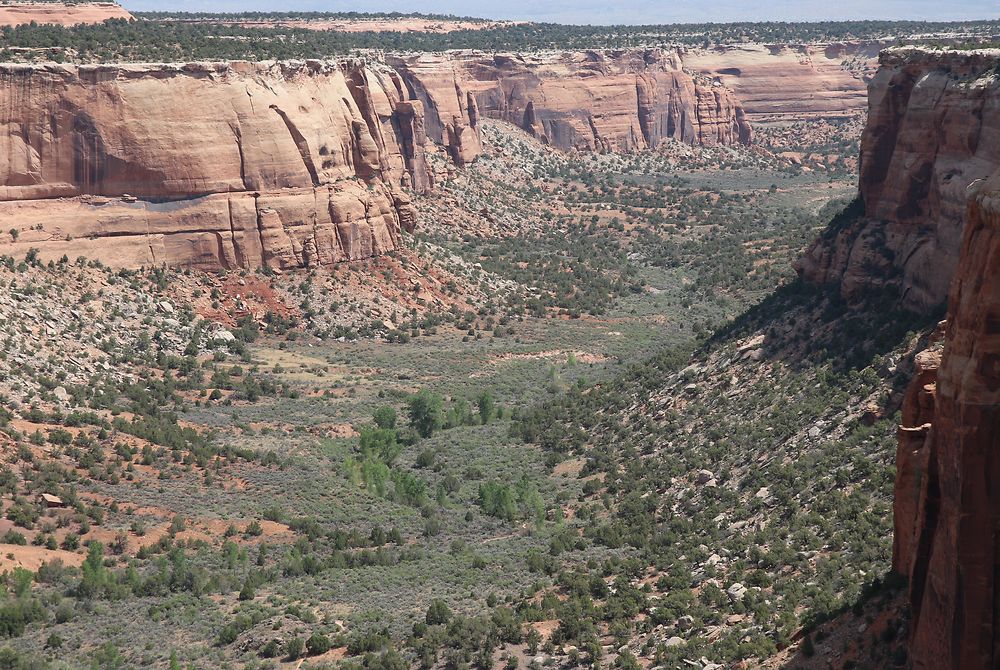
column 625, row 11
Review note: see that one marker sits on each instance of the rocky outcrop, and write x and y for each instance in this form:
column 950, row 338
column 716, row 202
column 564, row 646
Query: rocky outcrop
column 933, row 130
column 292, row 164
column 947, row 507
column 60, row 13
column 930, row 174
column 209, row 165
column 588, row 101
column 450, row 117
column 917, row 417
column 788, row 82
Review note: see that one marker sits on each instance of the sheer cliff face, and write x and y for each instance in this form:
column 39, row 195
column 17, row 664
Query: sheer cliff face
column 299, row 164
column 223, row 165
column 930, row 175
column 791, row 82
column 947, row 507
column 588, row 101
column 933, row 130
column 451, row 118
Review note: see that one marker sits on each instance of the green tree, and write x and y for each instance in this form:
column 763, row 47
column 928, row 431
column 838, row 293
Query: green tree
column 107, row 658
column 498, row 500
column 95, row 576
column 21, row 580
column 438, row 613
column 487, row 406
column 385, row 417
column 426, row 411
column 375, row 475
column 294, row 647
column 247, row 592
column 626, row 661
column 380, row 443
column 318, row 644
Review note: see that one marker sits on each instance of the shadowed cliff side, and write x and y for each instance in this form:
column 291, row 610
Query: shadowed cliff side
column 930, row 184
column 948, row 494
column 933, row 129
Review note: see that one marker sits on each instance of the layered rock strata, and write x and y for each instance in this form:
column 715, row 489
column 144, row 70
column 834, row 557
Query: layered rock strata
column 791, row 82
column 931, row 187
column 60, row 13
column 299, row 164
column 933, row 131
column 587, row 100
column 209, row 165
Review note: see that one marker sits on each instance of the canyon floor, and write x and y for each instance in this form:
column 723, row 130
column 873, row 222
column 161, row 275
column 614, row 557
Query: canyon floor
column 226, row 435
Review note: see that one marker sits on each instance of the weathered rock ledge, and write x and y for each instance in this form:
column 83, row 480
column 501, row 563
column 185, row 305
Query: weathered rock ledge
column 60, row 13
column 213, row 165
column 303, row 163
column 933, row 131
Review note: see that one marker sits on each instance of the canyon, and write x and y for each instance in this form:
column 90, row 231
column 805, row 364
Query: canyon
column 596, row 338
column 300, row 164
column 933, row 131
column 60, row 13
column 790, row 82
column 930, row 225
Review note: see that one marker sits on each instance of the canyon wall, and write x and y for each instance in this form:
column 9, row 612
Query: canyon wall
column 299, row 164
column 208, row 165
column 585, row 100
column 789, row 82
column 947, row 511
column 931, row 187
column 59, row 13
column 933, row 131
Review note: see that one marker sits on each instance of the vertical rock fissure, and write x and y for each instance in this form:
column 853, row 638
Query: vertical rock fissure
column 238, row 255
column 301, row 144
column 238, row 134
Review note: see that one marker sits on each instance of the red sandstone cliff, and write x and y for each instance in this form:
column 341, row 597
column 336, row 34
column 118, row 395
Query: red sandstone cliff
column 947, row 510
column 209, row 165
column 224, row 165
column 783, row 82
column 933, row 130
column 59, row 13
column 931, row 181
column 588, row 100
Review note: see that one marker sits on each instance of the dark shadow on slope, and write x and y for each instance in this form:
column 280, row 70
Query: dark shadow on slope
column 807, row 325
column 869, row 635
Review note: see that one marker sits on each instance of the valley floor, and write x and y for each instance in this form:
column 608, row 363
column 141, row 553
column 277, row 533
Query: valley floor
column 516, row 442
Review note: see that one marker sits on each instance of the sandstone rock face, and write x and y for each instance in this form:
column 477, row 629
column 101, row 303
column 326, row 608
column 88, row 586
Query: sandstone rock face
column 791, row 82
column 450, row 116
column 933, row 130
column 930, row 162
column 62, row 14
column 293, row 164
column 588, row 101
column 209, row 165
column 951, row 550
